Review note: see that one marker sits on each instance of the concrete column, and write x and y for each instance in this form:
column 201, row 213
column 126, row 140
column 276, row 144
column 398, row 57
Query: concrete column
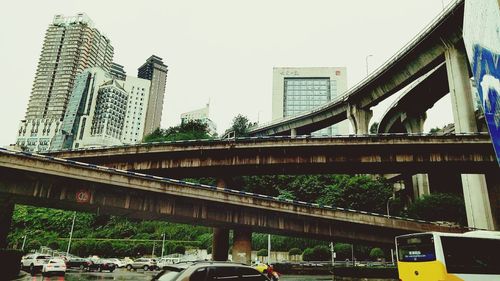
column 293, row 133
column 220, row 244
column 220, row 239
column 7, row 210
column 477, row 203
column 242, row 246
column 414, row 124
column 359, row 118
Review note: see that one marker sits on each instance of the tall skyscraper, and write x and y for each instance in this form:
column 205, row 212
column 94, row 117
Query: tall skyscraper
column 156, row 71
column 300, row 89
column 71, row 45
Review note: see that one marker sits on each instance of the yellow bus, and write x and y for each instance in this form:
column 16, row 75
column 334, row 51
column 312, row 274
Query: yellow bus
column 433, row 256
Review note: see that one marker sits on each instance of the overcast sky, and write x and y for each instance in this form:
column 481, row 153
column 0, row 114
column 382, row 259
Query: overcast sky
column 218, row 50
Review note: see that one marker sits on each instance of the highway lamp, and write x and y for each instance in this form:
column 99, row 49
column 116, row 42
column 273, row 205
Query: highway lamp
column 71, row 233
column 153, row 252
column 352, row 255
column 366, row 60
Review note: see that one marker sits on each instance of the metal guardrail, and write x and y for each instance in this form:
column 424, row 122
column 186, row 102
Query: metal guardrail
column 201, row 186
column 345, row 96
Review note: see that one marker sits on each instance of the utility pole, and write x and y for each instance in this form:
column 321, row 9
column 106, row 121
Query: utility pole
column 71, row 233
column 24, row 242
column 154, row 246
column 269, row 248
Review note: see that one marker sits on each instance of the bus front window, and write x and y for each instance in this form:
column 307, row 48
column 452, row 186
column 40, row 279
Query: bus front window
column 416, row 248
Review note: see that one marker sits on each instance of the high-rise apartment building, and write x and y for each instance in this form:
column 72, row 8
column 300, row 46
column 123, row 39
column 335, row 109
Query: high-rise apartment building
column 71, row 45
column 103, row 111
column 300, row 89
column 156, row 71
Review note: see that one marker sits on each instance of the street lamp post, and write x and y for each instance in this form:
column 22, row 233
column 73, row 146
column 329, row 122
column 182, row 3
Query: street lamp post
column 163, row 245
column 366, row 60
column 24, row 242
column 388, row 201
column 71, row 233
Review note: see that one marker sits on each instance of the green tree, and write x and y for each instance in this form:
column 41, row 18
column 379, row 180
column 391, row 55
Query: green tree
column 33, row 245
column 307, row 255
column 240, row 126
column 439, row 207
column 342, row 250
column 191, row 130
column 294, row 252
column 262, row 253
column 376, row 253
column 321, row 253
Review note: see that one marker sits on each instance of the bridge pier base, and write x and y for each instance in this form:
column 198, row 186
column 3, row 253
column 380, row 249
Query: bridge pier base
column 5, row 221
column 360, row 119
column 242, row 246
column 477, row 203
column 293, row 133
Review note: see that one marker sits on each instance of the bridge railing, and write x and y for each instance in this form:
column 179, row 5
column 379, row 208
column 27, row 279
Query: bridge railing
column 203, row 186
column 398, row 55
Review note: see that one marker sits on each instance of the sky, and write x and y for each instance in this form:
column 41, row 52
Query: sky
column 222, row 51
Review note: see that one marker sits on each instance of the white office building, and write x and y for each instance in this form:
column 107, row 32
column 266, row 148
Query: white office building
column 300, row 89
column 203, row 116
column 103, row 111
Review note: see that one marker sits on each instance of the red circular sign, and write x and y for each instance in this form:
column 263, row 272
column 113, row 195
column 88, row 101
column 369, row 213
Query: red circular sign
column 83, row 196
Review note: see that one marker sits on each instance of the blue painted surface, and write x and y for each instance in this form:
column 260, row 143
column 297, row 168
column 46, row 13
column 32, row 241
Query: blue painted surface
column 486, row 71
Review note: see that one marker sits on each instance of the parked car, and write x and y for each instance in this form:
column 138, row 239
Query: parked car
column 202, row 271
column 34, row 262
column 54, row 266
column 144, row 263
column 101, row 265
column 80, row 263
column 117, row 262
column 166, row 261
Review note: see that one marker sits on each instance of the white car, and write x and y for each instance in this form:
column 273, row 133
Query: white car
column 163, row 262
column 54, row 266
column 34, row 262
column 116, row 261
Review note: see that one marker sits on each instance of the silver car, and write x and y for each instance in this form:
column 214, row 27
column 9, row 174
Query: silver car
column 204, row 271
column 143, row 263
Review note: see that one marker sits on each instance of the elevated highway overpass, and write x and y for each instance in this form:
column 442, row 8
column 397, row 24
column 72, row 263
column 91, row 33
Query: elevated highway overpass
column 440, row 41
column 59, row 183
column 370, row 154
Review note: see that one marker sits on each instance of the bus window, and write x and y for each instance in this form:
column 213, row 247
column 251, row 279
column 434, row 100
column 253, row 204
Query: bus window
column 471, row 255
column 416, row 248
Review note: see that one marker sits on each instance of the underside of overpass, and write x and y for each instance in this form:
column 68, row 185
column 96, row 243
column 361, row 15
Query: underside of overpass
column 58, row 183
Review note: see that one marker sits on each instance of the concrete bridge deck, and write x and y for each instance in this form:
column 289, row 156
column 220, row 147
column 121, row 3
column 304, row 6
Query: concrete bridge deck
column 59, row 183
column 369, row 154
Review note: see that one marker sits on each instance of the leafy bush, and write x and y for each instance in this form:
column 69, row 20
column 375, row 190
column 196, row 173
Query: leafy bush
column 262, row 253
column 439, row 207
column 295, row 252
column 376, row 253
column 180, row 249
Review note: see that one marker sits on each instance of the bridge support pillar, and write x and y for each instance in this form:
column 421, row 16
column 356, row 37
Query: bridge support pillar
column 242, row 246
column 414, row 124
column 359, row 118
column 293, row 133
column 220, row 239
column 477, row 203
column 7, row 210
